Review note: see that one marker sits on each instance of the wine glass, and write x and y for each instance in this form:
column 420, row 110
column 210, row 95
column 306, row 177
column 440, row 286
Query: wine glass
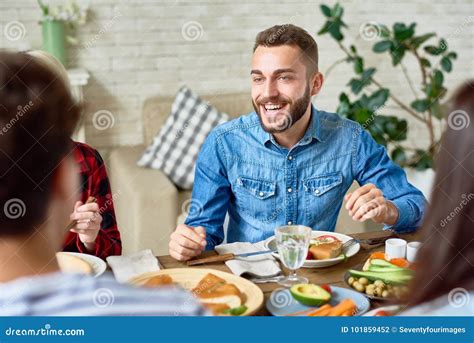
column 292, row 243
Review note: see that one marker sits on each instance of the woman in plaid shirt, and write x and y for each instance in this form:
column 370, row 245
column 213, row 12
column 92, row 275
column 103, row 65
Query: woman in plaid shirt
column 96, row 231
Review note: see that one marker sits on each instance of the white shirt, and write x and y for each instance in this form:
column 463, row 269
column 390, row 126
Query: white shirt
column 59, row 294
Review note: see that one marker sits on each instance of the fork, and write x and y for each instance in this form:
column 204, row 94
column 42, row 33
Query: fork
column 349, row 244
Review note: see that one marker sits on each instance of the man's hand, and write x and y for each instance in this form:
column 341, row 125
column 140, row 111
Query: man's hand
column 88, row 221
column 368, row 202
column 187, row 242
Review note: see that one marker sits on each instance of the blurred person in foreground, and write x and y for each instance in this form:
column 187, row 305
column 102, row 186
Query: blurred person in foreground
column 444, row 281
column 95, row 232
column 38, row 188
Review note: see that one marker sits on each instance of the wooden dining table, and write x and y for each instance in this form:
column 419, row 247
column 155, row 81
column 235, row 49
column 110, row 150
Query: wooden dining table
column 333, row 275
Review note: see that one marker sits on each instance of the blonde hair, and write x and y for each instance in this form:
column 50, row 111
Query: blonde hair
column 50, row 62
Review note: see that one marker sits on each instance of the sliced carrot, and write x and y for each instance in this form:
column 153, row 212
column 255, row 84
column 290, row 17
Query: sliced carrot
column 345, row 305
column 347, row 314
column 301, row 313
column 378, row 255
column 400, row 262
column 320, row 311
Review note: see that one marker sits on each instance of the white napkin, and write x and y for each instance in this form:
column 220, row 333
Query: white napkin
column 259, row 265
column 127, row 267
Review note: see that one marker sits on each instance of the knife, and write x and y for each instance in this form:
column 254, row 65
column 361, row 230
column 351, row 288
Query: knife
column 226, row 257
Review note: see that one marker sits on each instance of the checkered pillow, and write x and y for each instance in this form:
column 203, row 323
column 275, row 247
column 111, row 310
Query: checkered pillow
column 175, row 149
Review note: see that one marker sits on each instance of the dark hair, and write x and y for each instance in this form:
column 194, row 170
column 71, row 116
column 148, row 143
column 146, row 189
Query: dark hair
column 37, row 118
column 446, row 258
column 290, row 34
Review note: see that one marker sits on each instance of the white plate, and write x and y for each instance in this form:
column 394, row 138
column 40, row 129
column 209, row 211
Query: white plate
column 354, row 249
column 98, row 266
column 282, row 303
column 190, row 277
column 389, row 308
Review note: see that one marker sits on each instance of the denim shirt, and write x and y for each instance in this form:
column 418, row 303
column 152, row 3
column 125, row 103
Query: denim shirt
column 242, row 171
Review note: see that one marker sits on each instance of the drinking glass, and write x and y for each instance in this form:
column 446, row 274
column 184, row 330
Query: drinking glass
column 292, row 242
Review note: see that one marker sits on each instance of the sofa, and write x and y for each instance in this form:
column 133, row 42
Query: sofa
column 148, row 205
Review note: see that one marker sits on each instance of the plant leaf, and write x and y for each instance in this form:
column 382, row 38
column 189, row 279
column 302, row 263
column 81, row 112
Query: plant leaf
column 359, row 65
column 452, row 55
column 397, row 54
column 399, row 156
column 432, row 50
column 420, row 105
column 446, row 64
column 325, row 28
column 335, row 31
column 417, row 41
column 378, row 99
column 443, row 45
column 382, row 46
column 438, row 78
column 425, row 62
column 337, row 10
column 326, row 10
column 401, row 32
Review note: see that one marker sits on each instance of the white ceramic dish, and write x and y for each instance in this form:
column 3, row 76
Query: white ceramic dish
column 98, row 266
column 354, row 249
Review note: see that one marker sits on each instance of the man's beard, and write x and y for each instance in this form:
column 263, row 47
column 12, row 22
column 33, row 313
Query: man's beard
column 285, row 120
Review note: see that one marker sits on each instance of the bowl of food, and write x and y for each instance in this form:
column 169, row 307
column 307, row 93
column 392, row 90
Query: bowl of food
column 325, row 249
column 381, row 279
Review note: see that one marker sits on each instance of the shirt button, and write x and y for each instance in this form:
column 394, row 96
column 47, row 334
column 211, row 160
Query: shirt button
column 317, row 191
column 290, row 190
column 261, row 194
column 290, row 157
column 290, row 222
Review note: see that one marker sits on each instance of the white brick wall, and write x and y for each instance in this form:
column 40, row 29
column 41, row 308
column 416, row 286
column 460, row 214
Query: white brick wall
column 135, row 49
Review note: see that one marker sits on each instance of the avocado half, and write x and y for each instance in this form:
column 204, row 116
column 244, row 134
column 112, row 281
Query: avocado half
column 310, row 294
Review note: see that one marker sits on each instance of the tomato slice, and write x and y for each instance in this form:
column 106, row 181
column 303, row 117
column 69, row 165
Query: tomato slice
column 309, row 256
column 382, row 313
column 327, row 288
column 325, row 238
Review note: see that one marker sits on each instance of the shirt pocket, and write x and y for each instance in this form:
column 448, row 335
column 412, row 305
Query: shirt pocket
column 256, row 199
column 321, row 193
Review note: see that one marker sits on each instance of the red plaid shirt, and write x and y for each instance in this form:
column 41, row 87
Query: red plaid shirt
column 94, row 182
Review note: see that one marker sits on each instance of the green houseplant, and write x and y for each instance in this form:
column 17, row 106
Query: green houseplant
column 368, row 95
column 58, row 25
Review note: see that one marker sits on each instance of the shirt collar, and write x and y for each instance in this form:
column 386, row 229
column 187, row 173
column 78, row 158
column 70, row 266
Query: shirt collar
column 313, row 131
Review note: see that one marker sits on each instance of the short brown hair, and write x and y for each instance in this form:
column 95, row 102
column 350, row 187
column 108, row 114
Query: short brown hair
column 290, row 34
column 37, row 118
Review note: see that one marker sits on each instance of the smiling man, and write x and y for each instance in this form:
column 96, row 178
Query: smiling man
column 288, row 162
